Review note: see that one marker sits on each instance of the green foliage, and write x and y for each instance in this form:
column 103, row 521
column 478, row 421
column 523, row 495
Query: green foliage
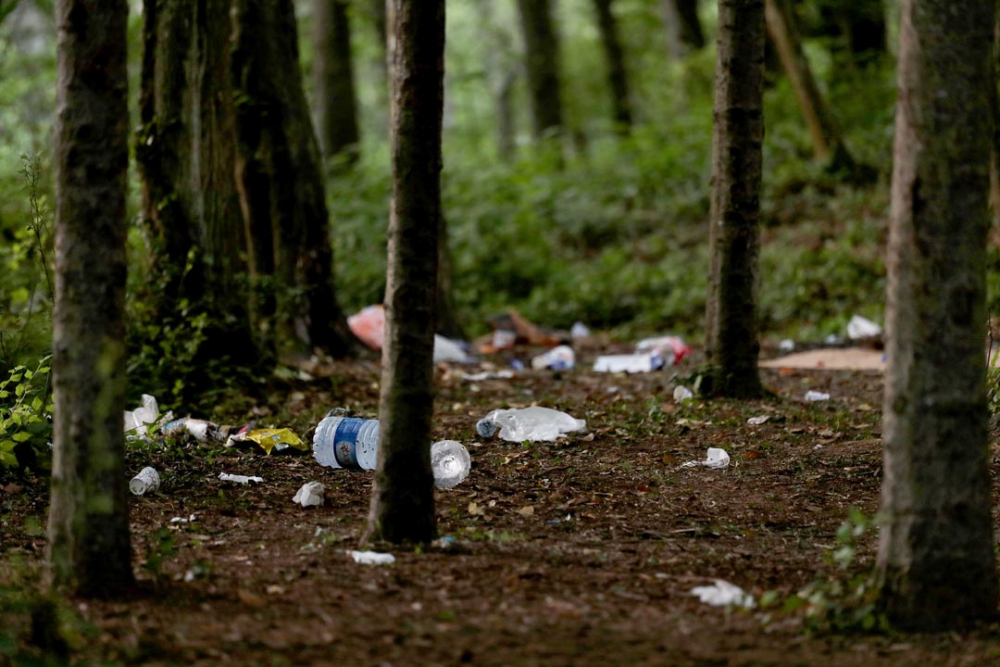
column 846, row 601
column 25, row 411
column 161, row 547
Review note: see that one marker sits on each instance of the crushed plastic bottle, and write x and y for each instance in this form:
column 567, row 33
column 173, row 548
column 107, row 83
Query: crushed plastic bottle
column 346, row 442
column 561, row 358
column 534, row 423
column 629, row 363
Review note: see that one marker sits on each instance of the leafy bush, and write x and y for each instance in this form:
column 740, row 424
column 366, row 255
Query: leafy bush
column 25, row 413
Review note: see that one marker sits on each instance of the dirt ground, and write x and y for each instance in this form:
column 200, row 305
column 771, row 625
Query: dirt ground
column 579, row 552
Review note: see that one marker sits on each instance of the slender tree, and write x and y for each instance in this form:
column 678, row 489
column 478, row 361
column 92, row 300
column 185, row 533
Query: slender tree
column 684, row 33
column 402, row 507
column 617, row 72
column 732, row 345
column 280, row 180
column 333, row 73
column 828, row 142
column 185, row 150
column 501, row 72
column 858, row 28
column 89, row 546
column 995, row 107
column 542, row 66
column 936, row 562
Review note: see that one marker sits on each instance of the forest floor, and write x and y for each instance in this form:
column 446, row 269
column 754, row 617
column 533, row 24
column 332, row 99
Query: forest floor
column 578, row 552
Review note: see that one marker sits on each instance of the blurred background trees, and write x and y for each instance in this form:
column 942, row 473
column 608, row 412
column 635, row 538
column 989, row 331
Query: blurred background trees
column 609, row 229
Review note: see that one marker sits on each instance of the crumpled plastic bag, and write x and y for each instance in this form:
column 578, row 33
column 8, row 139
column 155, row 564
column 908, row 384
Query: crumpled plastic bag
column 137, row 420
column 368, row 325
column 239, row 479
column 714, row 458
column 312, row 494
column 724, row 594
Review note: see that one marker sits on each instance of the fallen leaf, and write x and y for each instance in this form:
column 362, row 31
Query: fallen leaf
column 528, row 510
column 250, row 599
column 275, row 590
column 13, row 488
column 475, row 510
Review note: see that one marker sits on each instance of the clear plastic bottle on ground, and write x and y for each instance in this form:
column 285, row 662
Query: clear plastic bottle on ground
column 532, row 423
column 346, row 442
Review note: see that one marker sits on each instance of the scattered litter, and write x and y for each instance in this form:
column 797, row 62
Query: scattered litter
column 672, row 348
column 487, row 375
column 579, row 330
column 724, row 594
column 714, row 458
column 239, row 479
column 181, row 519
column 369, row 326
column 682, row 394
column 814, row 396
column 450, row 463
column 372, row 558
column 557, row 359
column 787, row 345
column 448, row 350
column 860, row 327
column 147, row 481
column 534, row 423
column 629, row 363
column 273, row 438
column 137, row 421
column 311, row 494
column 510, row 329
column 757, row 421
column 833, row 339
column 199, row 429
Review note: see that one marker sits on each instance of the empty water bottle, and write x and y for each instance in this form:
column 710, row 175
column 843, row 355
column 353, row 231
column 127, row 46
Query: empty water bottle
column 532, row 423
column 346, row 442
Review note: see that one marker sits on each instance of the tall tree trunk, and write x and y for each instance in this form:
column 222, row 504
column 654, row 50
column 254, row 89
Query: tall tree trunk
column 333, row 72
column 617, row 72
column 542, row 66
column 738, row 132
column 828, row 143
column 995, row 107
column 89, row 547
column 280, row 180
column 501, row 72
column 858, row 28
column 936, row 563
column 185, row 151
column 684, row 33
column 402, row 508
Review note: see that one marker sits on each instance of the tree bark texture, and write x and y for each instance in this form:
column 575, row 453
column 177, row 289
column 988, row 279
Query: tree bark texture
column 280, row 180
column 402, row 508
column 858, row 25
column 936, row 562
column 185, row 151
column 89, row 546
column 617, row 72
column 542, row 66
column 828, row 142
column 333, row 73
column 684, row 33
column 738, row 132
column 995, row 108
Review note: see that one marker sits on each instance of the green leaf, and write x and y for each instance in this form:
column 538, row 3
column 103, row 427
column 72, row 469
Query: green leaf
column 36, row 404
column 22, row 436
column 8, row 459
column 15, row 378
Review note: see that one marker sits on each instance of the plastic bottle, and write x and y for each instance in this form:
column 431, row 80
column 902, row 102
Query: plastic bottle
column 345, row 442
column 532, row 423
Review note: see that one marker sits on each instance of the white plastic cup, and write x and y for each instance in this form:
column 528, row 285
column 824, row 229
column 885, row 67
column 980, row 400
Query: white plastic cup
column 147, row 481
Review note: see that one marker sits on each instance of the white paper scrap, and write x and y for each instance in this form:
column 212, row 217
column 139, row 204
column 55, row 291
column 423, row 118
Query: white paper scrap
column 311, row 494
column 724, row 594
column 239, row 479
column 372, row 558
column 714, row 458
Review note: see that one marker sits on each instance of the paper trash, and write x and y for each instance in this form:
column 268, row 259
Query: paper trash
column 724, row 594
column 682, row 394
column 239, row 479
column 860, row 327
column 757, row 421
column 372, row 558
column 270, row 438
column 629, row 363
column 813, row 396
column 559, row 358
column 714, row 458
column 136, row 420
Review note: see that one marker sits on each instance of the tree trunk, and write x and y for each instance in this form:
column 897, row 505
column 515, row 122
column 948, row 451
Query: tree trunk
column 995, row 145
column 936, row 563
column 185, row 151
column 738, row 132
column 617, row 73
column 280, row 180
column 89, row 547
column 684, row 33
column 336, row 101
column 542, row 66
column 828, row 143
column 402, row 508
column 501, row 72
column 858, row 28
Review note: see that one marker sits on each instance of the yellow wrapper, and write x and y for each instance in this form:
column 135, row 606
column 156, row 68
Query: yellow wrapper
column 269, row 438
